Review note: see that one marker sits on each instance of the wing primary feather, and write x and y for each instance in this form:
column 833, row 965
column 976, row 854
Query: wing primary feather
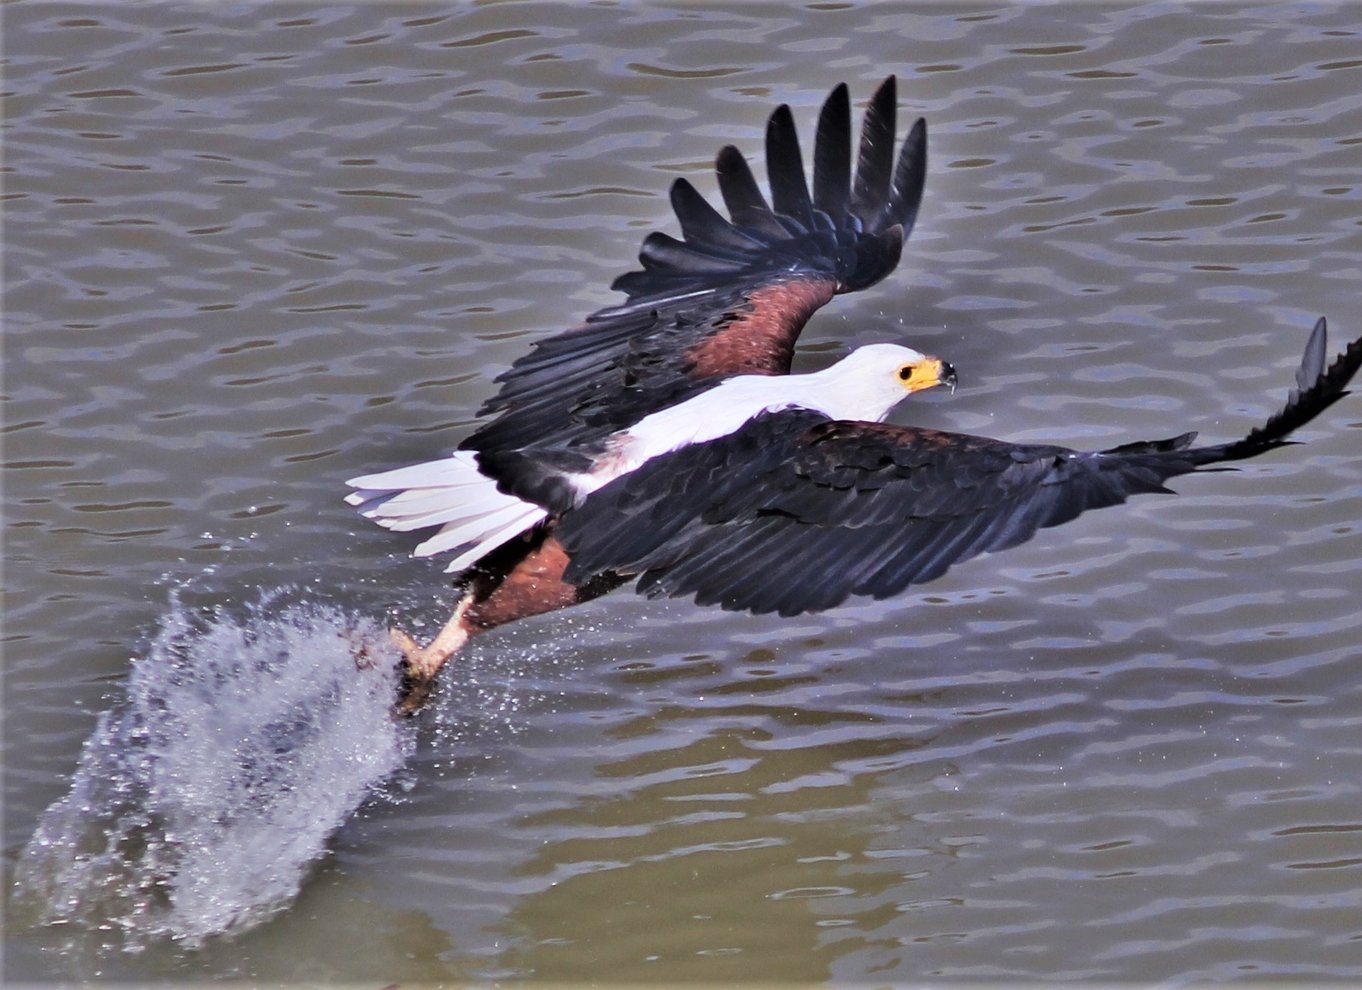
column 662, row 250
column 702, row 224
column 742, row 196
column 785, row 168
column 832, row 155
column 875, row 161
column 1312, row 361
column 910, row 178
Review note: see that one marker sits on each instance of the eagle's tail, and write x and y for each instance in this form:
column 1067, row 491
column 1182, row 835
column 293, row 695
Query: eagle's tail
column 473, row 515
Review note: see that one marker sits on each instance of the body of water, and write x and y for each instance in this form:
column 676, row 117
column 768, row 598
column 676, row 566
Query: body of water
column 252, row 250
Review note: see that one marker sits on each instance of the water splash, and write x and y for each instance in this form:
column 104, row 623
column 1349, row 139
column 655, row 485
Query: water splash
column 201, row 801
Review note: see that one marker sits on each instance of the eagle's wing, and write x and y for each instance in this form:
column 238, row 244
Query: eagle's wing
column 732, row 296
column 796, row 512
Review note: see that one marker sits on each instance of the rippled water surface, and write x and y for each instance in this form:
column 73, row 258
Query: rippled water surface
column 253, row 250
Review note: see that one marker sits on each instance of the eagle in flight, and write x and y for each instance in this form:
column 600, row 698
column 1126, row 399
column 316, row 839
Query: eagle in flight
column 665, row 441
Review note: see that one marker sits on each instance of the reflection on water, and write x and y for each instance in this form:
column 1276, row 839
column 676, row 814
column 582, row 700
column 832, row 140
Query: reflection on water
column 253, row 250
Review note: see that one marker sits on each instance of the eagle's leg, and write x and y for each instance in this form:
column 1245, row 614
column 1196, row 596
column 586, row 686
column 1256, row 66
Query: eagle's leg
column 420, row 664
column 520, row 579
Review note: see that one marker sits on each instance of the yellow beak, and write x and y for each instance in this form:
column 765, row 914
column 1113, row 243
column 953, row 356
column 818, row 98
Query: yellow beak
column 930, row 373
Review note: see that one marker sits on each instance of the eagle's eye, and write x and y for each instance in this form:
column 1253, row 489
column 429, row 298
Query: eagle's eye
column 906, row 372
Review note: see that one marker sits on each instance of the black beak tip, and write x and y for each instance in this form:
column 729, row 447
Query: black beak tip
column 948, row 375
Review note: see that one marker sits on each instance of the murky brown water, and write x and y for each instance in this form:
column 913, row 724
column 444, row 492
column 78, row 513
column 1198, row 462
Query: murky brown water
column 251, row 251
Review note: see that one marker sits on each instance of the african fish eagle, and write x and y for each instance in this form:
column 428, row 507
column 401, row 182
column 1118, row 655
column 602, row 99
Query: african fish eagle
column 664, row 440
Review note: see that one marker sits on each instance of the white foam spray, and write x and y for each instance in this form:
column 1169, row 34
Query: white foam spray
column 201, row 802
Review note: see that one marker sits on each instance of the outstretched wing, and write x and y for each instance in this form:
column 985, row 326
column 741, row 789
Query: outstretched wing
column 796, row 512
column 731, row 296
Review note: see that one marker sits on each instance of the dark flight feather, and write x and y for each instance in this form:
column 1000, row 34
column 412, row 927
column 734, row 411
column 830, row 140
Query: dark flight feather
column 875, row 160
column 832, row 156
column 742, row 196
column 785, row 168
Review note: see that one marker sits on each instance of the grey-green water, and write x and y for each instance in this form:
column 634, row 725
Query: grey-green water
column 253, row 250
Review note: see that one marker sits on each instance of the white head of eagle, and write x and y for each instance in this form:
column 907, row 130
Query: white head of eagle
column 873, row 379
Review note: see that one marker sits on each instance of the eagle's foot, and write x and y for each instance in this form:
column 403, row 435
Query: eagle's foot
column 417, row 673
column 417, row 669
column 420, row 664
